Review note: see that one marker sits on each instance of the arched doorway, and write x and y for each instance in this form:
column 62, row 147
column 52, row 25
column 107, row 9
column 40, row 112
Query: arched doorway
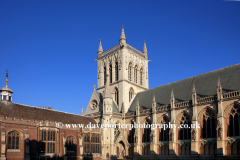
column 121, row 151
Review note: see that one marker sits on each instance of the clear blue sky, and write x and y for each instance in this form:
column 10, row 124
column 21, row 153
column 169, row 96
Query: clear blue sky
column 49, row 47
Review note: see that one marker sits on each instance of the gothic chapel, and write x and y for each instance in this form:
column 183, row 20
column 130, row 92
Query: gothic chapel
column 211, row 101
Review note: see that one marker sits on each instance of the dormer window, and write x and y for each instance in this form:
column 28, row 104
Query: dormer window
column 4, row 97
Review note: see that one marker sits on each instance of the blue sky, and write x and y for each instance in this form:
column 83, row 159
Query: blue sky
column 49, row 47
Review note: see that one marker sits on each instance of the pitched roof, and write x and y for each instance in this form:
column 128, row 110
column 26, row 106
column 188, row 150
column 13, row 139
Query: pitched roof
column 205, row 84
column 35, row 113
column 114, row 107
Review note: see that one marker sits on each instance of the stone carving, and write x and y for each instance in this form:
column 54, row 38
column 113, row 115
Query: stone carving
column 171, row 135
column 219, row 130
column 193, row 134
column 94, row 105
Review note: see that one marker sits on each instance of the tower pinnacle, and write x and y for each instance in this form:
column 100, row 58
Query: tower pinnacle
column 100, row 50
column 122, row 37
column 145, row 48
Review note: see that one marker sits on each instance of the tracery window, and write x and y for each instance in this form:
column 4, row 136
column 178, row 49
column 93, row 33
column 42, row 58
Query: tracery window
column 130, row 71
column 141, row 76
column 234, row 122
column 209, row 125
column 48, row 141
column 164, row 133
column 110, row 73
column 164, row 138
column 13, row 139
column 135, row 73
column 131, row 134
column 147, row 131
column 92, row 143
column 105, row 74
column 70, row 143
column 131, row 93
column 116, row 95
column 185, row 131
column 116, row 71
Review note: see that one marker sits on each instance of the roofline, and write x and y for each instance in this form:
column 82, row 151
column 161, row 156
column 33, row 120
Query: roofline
column 53, row 110
column 194, row 76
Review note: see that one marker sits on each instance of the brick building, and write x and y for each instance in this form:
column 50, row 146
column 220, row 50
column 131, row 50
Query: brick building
column 40, row 132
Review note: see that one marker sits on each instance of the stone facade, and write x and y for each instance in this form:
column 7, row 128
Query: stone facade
column 208, row 104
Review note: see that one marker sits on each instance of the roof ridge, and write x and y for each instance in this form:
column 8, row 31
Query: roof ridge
column 52, row 110
column 193, row 76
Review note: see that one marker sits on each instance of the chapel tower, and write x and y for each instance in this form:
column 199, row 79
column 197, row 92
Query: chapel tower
column 127, row 69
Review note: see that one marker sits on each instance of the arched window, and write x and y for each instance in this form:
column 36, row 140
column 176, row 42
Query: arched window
column 131, row 93
column 234, row 122
column 185, row 131
column 130, row 71
column 209, row 127
column 105, row 75
column 116, row 95
column 110, row 73
column 141, row 76
column 116, row 71
column 71, row 144
column 131, row 133
column 147, row 131
column 164, row 138
column 164, row 133
column 135, row 73
column 13, row 139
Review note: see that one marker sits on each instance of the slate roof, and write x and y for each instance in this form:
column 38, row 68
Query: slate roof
column 35, row 113
column 205, row 84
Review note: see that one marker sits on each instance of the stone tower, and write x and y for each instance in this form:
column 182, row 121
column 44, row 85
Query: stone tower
column 127, row 69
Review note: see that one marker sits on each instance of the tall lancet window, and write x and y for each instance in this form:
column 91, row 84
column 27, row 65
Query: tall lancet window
column 116, row 95
column 135, row 74
column 234, row 122
column 105, row 75
column 130, row 71
column 110, row 73
column 209, row 127
column 116, row 71
column 131, row 93
column 185, row 133
column 141, row 76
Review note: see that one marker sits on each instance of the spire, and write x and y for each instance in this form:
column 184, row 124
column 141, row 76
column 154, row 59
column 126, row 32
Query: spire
column 172, row 101
column 219, row 89
column 145, row 48
column 6, row 85
column 194, row 95
column 137, row 108
column 100, row 50
column 122, row 37
column 154, row 101
column 81, row 110
column 154, row 105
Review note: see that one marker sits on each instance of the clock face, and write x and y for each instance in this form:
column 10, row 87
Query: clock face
column 94, row 104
